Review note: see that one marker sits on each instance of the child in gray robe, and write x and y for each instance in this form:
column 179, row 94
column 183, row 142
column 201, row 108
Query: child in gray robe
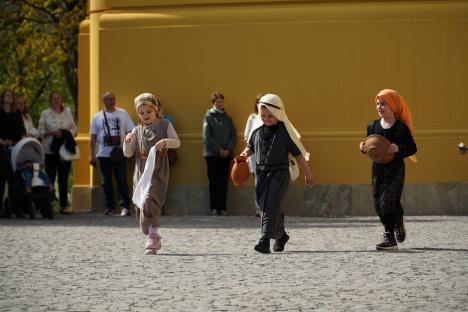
column 271, row 141
column 160, row 134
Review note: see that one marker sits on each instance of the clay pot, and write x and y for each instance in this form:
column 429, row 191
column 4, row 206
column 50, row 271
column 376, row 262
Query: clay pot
column 240, row 171
column 377, row 147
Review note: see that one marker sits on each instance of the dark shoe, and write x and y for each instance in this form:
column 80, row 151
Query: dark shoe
column 65, row 211
column 279, row 243
column 400, row 232
column 109, row 211
column 263, row 245
column 19, row 215
column 388, row 243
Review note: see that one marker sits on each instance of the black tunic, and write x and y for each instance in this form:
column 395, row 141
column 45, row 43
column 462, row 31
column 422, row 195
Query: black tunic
column 11, row 126
column 271, row 146
column 388, row 179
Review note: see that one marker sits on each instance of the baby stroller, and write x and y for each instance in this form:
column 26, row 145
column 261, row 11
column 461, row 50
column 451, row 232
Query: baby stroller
column 37, row 196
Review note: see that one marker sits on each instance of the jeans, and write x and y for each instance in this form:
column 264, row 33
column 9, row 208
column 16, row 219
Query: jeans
column 106, row 166
column 28, row 177
column 54, row 164
column 218, row 176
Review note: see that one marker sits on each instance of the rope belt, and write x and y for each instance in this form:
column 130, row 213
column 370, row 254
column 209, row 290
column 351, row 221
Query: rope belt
column 160, row 154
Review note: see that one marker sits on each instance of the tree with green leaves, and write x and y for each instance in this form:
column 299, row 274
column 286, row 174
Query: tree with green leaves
column 39, row 49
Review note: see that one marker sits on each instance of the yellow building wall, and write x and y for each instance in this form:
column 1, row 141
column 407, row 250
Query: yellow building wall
column 326, row 59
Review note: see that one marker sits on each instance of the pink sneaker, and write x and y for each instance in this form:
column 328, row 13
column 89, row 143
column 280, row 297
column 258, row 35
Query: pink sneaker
column 153, row 243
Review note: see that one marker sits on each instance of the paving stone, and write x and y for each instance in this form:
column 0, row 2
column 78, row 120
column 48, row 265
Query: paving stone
column 90, row 262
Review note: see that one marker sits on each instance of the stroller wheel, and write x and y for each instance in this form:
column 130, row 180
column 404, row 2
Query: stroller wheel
column 46, row 209
column 31, row 209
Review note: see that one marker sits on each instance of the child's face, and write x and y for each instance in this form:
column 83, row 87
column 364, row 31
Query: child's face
column 383, row 109
column 147, row 114
column 267, row 117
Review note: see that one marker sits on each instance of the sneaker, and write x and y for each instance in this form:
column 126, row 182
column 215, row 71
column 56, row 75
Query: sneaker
column 279, row 243
column 223, row 213
column 109, row 211
column 153, row 244
column 151, row 252
column 263, row 245
column 400, row 232
column 125, row 212
column 214, row 212
column 388, row 243
column 65, row 211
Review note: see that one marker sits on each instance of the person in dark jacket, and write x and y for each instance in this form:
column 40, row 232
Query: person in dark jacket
column 219, row 138
column 11, row 131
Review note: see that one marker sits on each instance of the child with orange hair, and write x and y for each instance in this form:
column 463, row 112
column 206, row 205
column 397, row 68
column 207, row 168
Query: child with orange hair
column 395, row 123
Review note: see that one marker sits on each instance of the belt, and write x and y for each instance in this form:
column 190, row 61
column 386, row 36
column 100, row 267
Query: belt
column 160, row 154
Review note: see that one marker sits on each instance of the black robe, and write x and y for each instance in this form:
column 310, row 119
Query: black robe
column 388, row 179
column 271, row 146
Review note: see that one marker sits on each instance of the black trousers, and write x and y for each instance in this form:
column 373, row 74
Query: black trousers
column 218, row 176
column 55, row 165
column 6, row 175
column 387, row 186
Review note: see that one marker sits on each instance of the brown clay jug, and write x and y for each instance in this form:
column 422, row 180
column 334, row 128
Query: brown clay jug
column 377, row 147
column 240, row 170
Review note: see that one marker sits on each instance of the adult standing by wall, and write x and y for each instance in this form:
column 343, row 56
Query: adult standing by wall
column 108, row 129
column 11, row 131
column 219, row 138
column 54, row 124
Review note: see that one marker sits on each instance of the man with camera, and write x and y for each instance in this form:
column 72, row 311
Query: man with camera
column 108, row 129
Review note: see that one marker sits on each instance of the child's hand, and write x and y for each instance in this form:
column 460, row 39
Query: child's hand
column 245, row 152
column 393, row 148
column 161, row 145
column 362, row 147
column 130, row 136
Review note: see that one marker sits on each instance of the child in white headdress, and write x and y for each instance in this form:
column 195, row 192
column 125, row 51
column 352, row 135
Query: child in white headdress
column 271, row 141
column 149, row 142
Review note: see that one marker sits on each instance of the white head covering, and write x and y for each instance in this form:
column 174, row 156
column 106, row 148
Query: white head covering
column 276, row 107
column 146, row 99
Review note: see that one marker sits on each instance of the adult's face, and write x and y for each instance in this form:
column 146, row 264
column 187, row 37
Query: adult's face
column 20, row 103
column 55, row 101
column 8, row 98
column 219, row 103
column 109, row 100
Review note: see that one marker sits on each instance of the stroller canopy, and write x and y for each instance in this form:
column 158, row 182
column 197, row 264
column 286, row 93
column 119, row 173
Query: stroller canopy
column 27, row 150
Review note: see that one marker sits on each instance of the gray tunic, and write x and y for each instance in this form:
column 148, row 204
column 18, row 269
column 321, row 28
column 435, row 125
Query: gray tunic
column 271, row 147
column 147, row 137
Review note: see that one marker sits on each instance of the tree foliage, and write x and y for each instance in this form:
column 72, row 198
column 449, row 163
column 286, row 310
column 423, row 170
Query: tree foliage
column 39, row 49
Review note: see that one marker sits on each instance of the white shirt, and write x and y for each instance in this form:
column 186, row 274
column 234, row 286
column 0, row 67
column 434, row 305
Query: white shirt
column 120, row 124
column 50, row 120
column 29, row 126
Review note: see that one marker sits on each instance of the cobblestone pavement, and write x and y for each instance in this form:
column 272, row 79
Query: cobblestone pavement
column 89, row 262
